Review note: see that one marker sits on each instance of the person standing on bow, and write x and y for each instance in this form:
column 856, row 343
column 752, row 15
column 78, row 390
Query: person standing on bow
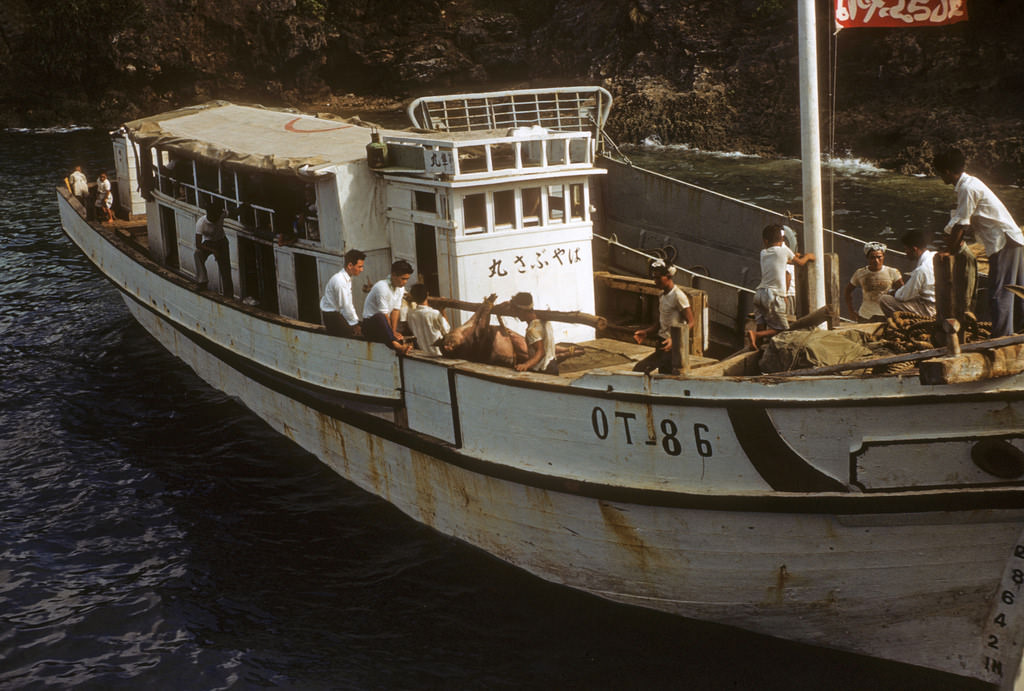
column 383, row 306
column 874, row 280
column 210, row 239
column 104, row 199
column 978, row 207
column 78, row 186
column 917, row 295
column 673, row 309
column 337, row 309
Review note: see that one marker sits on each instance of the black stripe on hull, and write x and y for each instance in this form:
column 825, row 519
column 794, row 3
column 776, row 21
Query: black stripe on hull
column 775, row 460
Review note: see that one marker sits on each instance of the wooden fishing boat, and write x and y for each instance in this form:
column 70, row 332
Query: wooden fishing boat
column 875, row 513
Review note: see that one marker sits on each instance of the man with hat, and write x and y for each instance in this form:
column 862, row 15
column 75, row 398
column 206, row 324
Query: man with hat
column 673, row 309
column 540, row 338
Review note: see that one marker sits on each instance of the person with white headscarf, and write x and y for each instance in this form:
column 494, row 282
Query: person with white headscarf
column 874, row 280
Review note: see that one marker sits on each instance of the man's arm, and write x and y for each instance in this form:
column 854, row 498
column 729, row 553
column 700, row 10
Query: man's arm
column 688, row 318
column 912, row 288
column 640, row 335
column 848, row 297
column 536, row 354
column 954, row 237
column 393, row 321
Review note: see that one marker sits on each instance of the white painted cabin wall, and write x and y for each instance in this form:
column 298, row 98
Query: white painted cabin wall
column 328, row 211
column 362, row 205
column 557, row 286
column 128, row 195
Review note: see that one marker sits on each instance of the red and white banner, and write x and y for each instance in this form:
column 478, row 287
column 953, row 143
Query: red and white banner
column 851, row 14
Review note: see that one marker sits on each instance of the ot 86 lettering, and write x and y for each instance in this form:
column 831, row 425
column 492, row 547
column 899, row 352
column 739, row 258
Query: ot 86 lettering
column 670, row 440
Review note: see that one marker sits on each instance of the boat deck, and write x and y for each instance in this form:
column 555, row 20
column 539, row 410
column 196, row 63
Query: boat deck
column 611, row 354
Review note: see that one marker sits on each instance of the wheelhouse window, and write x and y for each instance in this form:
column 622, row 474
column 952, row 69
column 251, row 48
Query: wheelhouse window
column 474, row 209
column 576, row 202
column 556, row 152
column 425, row 201
column 578, row 150
column 531, row 206
column 505, row 210
column 556, row 204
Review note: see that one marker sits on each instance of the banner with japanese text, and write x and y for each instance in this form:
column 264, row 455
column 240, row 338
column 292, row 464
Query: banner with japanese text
column 851, row 14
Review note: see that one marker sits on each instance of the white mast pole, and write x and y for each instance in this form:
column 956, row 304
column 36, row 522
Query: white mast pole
column 810, row 145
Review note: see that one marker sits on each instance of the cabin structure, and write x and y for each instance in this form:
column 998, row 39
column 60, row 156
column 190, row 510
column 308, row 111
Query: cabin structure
column 486, row 195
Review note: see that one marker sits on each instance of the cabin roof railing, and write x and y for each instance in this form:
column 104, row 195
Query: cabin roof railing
column 564, row 109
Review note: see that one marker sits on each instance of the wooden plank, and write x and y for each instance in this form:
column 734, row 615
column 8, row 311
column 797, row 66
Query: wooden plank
column 966, row 367
column 504, row 309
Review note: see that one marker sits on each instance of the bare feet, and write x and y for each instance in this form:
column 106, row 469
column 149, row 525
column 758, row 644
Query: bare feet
column 752, row 338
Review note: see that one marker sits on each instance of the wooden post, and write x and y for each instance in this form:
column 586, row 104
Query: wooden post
column 944, row 307
column 830, row 265
column 680, row 348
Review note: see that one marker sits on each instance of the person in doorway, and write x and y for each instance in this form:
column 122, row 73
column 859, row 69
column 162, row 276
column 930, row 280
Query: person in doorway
column 337, row 310
column 78, row 186
column 427, row 324
column 917, row 295
column 383, row 306
column 540, row 338
column 673, row 309
column 104, row 199
column 980, row 209
column 874, row 280
column 770, row 297
column 210, row 239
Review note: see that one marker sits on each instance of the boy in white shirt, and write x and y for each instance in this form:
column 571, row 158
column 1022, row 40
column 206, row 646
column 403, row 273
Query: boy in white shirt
column 770, row 296
column 427, row 324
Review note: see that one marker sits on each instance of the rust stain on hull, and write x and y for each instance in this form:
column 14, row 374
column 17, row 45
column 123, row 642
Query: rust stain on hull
column 626, row 534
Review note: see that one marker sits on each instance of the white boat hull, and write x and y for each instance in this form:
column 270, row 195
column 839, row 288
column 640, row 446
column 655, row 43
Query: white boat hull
column 532, row 474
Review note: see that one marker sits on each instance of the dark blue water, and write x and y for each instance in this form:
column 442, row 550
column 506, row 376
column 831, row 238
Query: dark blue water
column 156, row 535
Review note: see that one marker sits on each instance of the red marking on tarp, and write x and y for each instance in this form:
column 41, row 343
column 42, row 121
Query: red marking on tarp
column 290, row 126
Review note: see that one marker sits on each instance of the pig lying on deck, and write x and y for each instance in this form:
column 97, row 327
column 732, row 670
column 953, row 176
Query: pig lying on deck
column 480, row 341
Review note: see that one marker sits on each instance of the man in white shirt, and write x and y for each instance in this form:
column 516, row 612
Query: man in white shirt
column 540, row 337
column 917, row 295
column 978, row 207
column 78, row 185
column 383, row 306
column 210, row 239
column 673, row 309
column 426, row 323
column 337, row 310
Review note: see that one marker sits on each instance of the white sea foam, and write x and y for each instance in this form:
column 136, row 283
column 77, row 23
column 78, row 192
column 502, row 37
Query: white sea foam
column 853, row 166
column 654, row 142
column 58, row 129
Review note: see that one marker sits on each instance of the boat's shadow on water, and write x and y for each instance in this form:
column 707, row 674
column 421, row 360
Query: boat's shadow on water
column 248, row 560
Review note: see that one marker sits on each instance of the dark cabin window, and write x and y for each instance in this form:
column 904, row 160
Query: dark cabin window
column 169, row 236
column 307, row 288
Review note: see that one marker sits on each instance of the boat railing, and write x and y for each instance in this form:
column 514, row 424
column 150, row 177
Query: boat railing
column 521, row 151
column 563, row 109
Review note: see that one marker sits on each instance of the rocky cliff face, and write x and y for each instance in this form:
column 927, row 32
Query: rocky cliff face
column 712, row 74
